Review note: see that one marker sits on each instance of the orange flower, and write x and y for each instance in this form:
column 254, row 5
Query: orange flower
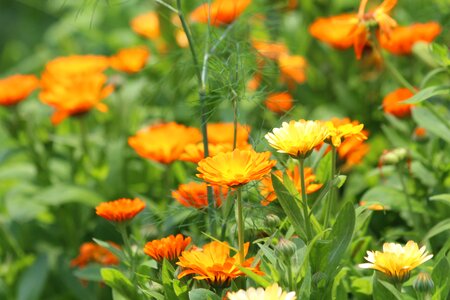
column 223, row 133
column 420, row 132
column 254, row 82
column 402, row 39
column 167, row 248
column 165, row 142
column 353, row 150
column 214, row 264
column 268, row 192
column 335, row 31
column 181, row 38
column 279, row 102
column 270, row 50
column 147, row 25
column 374, row 207
column 194, row 194
column 292, row 68
column 220, row 12
column 235, row 168
column 194, row 152
column 92, row 253
column 73, row 85
column 392, row 103
column 130, row 60
column 342, row 129
column 16, row 88
column 120, row 210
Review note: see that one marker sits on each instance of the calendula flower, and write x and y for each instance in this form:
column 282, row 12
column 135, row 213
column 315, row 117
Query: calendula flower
column 292, row 68
column 338, row 131
column 147, row 25
column 223, row 133
column 397, row 261
column 181, row 38
column 279, row 102
column 214, row 264
column 130, row 60
column 254, row 82
column 167, row 248
column 402, row 38
column 16, row 88
column 235, row 168
column 165, row 142
column 219, row 12
column 195, row 152
column 352, row 151
column 392, row 103
column 270, row 50
column 335, row 31
column 120, row 210
column 375, row 206
column 297, row 138
column 272, row 292
column 268, row 192
column 194, row 194
column 92, row 253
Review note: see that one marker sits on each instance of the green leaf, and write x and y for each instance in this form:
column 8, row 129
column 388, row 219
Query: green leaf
column 340, row 180
column 440, row 53
column 427, row 93
column 431, row 123
column 255, row 277
column 63, row 193
column 445, row 198
column 383, row 290
column 118, row 282
column 117, row 252
column 337, row 284
column 440, row 276
column 443, row 226
column 167, row 272
column 202, row 294
column 362, row 285
column 91, row 272
column 31, row 283
column 290, row 206
column 390, row 198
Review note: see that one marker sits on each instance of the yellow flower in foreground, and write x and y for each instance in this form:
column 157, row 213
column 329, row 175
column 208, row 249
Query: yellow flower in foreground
column 214, row 264
column 338, row 132
column 396, row 261
column 235, row 168
column 298, row 138
column 273, row 292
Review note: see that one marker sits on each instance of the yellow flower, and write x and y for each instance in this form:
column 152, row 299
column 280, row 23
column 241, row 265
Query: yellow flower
column 235, row 168
column 273, row 292
column 298, row 138
column 338, row 132
column 396, row 261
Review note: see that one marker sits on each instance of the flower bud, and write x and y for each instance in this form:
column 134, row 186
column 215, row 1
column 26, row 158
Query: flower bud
column 286, row 247
column 389, row 159
column 400, row 153
column 272, row 221
column 423, row 283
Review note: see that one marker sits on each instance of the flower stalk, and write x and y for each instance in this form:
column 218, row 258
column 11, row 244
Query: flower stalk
column 240, row 224
column 305, row 200
column 331, row 195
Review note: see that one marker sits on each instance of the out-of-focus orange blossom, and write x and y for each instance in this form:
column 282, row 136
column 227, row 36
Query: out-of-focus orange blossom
column 16, row 88
column 130, row 60
column 90, row 252
column 219, row 12
column 194, row 194
column 120, row 210
column 279, row 102
column 392, row 103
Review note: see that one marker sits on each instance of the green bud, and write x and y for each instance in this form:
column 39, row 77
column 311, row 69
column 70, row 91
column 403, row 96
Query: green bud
column 272, row 221
column 389, row 159
column 286, row 247
column 423, row 283
column 400, row 153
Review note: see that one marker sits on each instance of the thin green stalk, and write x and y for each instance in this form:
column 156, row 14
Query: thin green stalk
column 331, row 193
column 122, row 228
column 305, row 200
column 408, row 199
column 240, row 224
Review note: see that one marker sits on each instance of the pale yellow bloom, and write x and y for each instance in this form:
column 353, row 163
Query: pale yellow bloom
column 273, row 292
column 339, row 132
column 298, row 138
column 396, row 261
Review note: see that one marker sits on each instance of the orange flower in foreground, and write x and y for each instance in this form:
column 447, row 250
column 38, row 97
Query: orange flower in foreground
column 342, row 129
column 235, row 168
column 16, row 88
column 402, row 39
column 292, row 68
column 353, row 150
column 214, row 264
column 194, row 152
column 120, row 210
column 279, row 102
column 194, row 194
column 165, row 142
column 167, row 248
column 220, row 12
column 92, row 253
column 270, row 50
column 74, row 65
column 130, row 60
column 223, row 133
column 147, row 25
column 392, row 103
column 268, row 192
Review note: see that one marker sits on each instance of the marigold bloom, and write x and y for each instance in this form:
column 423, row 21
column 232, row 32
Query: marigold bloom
column 195, row 152
column 220, row 12
column 223, row 133
column 268, row 192
column 214, row 264
column 392, row 103
column 165, row 142
column 120, row 210
column 272, row 292
column 279, row 102
column 16, row 88
column 335, row 31
column 297, row 138
column 396, row 261
column 270, row 50
column 235, row 168
column 92, row 253
column 292, row 68
column 167, row 248
column 194, row 194
column 147, row 25
column 402, row 38
column 130, row 60
column 338, row 131
column 353, row 150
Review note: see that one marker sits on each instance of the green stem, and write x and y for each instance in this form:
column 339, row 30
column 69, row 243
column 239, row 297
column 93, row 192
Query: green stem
column 408, row 199
column 122, row 228
column 305, row 200
column 330, row 202
column 240, row 224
